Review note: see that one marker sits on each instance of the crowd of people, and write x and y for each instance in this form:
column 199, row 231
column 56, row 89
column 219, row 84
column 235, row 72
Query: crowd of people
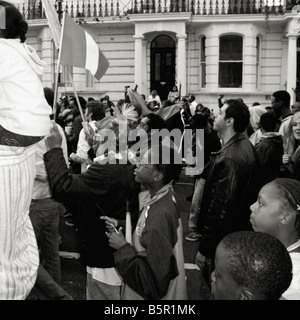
column 93, row 161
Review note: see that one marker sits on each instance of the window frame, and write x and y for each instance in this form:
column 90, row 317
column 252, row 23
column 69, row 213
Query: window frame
column 231, row 61
column 202, row 62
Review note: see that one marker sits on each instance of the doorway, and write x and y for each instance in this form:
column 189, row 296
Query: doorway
column 162, row 78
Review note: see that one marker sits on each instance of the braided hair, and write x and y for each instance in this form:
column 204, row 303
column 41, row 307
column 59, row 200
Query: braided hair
column 16, row 26
column 289, row 195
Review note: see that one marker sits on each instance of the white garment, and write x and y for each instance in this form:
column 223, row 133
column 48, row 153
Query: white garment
column 255, row 114
column 41, row 188
column 83, row 146
column 105, row 275
column 156, row 98
column 193, row 106
column 293, row 292
column 19, row 257
column 255, row 136
column 23, row 107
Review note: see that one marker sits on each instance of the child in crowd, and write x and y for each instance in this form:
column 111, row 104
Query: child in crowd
column 24, row 120
column 277, row 212
column 251, row 266
column 153, row 266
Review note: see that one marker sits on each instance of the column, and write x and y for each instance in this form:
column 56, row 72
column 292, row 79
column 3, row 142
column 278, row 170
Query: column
column 138, row 61
column 291, row 65
column 181, row 63
column 44, row 38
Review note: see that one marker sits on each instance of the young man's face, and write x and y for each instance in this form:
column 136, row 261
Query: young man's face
column 220, row 121
column 144, row 171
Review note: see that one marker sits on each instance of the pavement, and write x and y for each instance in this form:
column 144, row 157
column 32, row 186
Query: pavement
column 74, row 274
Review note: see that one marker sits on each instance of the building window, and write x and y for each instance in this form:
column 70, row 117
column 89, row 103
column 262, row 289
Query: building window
column 257, row 62
column 202, row 62
column 231, row 61
column 89, row 79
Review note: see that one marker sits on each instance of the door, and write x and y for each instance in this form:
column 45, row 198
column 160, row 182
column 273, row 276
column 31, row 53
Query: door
column 162, row 77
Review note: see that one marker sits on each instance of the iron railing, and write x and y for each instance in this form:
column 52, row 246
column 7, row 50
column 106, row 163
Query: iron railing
column 116, row 8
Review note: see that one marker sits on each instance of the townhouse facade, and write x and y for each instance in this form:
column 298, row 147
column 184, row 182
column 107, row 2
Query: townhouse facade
column 239, row 48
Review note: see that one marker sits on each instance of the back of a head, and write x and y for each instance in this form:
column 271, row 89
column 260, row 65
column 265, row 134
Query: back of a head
column 198, row 121
column 258, row 262
column 192, row 98
column 96, row 109
column 155, row 121
column 239, row 112
column 283, row 96
column 82, row 102
column 255, row 104
column 49, row 95
column 16, row 26
column 268, row 121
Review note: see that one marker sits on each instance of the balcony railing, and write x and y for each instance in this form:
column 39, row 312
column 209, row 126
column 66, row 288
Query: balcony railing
column 116, row 8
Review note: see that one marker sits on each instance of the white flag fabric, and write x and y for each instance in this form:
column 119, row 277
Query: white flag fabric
column 53, row 21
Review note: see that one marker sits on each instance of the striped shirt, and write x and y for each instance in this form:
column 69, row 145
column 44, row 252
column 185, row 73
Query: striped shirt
column 19, row 257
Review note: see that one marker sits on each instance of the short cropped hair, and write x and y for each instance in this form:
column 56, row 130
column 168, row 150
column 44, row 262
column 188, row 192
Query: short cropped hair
column 283, row 96
column 96, row 109
column 170, row 170
column 239, row 112
column 268, row 121
column 259, row 262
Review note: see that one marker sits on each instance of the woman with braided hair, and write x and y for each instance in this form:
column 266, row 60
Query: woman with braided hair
column 277, row 212
column 24, row 120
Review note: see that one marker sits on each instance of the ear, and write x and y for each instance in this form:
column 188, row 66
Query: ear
column 229, row 122
column 286, row 218
column 158, row 176
column 246, row 295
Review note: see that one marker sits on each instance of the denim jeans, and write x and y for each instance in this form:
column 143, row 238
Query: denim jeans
column 46, row 288
column 44, row 215
column 196, row 203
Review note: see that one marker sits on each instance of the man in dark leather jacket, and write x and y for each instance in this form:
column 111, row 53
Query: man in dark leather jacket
column 232, row 184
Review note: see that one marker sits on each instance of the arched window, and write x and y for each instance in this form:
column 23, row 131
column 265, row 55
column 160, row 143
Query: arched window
column 231, row 61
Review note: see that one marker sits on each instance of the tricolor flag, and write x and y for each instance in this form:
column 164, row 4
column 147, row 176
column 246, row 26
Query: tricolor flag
column 79, row 49
column 53, row 21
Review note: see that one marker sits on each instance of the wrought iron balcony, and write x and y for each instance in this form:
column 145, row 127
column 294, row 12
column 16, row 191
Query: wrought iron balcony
column 96, row 9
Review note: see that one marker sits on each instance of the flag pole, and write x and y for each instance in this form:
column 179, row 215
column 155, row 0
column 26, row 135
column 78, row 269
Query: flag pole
column 55, row 91
column 84, row 123
column 57, row 69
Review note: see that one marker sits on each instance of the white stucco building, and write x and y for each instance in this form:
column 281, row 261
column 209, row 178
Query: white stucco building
column 240, row 48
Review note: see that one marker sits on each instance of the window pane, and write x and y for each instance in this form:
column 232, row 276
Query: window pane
column 203, row 75
column 157, row 67
column 230, row 74
column 231, row 48
column 202, row 57
column 203, row 62
column 163, row 42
